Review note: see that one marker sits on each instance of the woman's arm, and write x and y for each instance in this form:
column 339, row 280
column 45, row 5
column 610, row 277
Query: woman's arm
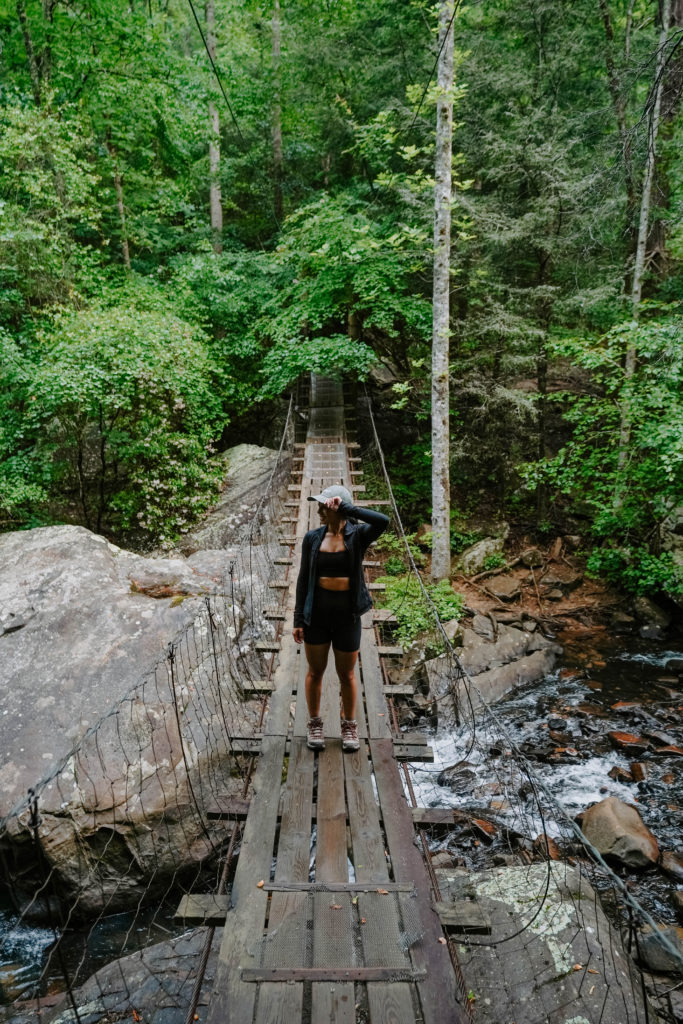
column 302, row 582
column 374, row 523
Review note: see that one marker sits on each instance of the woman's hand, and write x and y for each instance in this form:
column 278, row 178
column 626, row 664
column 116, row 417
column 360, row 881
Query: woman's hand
column 298, row 635
column 333, row 503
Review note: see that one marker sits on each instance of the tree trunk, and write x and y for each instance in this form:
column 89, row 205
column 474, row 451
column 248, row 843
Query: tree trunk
column 672, row 93
column 619, row 105
column 643, row 225
column 118, row 188
column 278, row 159
column 215, row 203
column 30, row 52
column 441, row 548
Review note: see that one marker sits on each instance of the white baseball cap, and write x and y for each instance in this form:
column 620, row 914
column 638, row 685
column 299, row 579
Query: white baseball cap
column 336, row 491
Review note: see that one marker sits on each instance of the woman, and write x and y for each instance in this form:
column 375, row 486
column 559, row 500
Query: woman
column 331, row 596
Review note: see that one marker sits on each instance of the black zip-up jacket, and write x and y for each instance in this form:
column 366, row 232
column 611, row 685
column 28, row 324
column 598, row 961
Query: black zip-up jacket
column 357, row 538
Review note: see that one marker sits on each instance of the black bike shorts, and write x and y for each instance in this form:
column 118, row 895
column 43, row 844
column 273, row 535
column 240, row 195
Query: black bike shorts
column 333, row 622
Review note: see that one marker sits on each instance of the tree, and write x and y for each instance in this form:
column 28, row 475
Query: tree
column 441, row 548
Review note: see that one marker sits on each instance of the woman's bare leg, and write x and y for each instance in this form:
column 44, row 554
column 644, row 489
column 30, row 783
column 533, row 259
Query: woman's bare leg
column 316, row 656
column 345, row 663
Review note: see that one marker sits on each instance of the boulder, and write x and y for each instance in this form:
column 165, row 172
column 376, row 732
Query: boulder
column 151, row 985
column 542, row 933
column 505, row 588
column 248, row 469
column 532, row 558
column 672, row 865
column 93, row 720
column 514, row 658
column 654, row 955
column 650, row 614
column 471, row 561
column 678, row 903
column 617, row 831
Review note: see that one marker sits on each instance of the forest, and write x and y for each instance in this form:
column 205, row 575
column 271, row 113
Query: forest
column 201, row 201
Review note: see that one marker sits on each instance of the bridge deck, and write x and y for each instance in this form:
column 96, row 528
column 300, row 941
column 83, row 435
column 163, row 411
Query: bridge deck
column 331, row 915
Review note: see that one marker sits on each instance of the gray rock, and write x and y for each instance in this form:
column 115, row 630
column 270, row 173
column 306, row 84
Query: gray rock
column 515, row 658
column 505, row 588
column 532, row 976
column 248, row 469
column 653, row 954
column 617, row 831
column 482, row 625
column 651, row 614
column 455, row 632
column 471, row 561
column 533, row 558
column 152, row 985
column 92, row 656
column 672, row 865
column 678, row 903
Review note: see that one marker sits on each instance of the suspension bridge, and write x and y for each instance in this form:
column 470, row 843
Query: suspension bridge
column 310, row 882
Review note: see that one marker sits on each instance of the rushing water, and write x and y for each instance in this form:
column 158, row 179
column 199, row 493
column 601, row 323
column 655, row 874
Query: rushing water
column 582, row 693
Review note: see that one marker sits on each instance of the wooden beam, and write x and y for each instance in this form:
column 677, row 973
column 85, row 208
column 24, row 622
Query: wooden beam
column 405, row 752
column 390, row 652
column 465, row 916
column 228, row 808
column 399, row 690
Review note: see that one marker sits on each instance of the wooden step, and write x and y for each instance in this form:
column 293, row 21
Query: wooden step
column 299, row 444
column 384, row 615
column 464, row 916
column 274, row 615
column 357, row 488
column 413, row 739
column 293, row 487
column 228, row 808
column 375, row 501
column 352, row 444
column 390, row 652
column 356, row 472
column 399, row 690
column 279, row 585
column 291, row 504
column 406, row 752
column 267, row 646
column 283, row 561
column 203, row 909
column 245, row 744
column 371, row 565
column 377, row 586
column 287, row 541
column 255, row 687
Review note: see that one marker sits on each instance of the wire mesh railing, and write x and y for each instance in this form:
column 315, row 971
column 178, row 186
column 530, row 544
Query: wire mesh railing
column 94, row 859
column 538, row 918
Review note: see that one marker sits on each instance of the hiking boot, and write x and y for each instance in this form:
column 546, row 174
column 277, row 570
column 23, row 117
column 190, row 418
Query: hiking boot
column 349, row 731
column 314, row 734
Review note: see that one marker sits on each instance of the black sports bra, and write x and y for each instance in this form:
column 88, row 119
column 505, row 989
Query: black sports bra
column 333, row 563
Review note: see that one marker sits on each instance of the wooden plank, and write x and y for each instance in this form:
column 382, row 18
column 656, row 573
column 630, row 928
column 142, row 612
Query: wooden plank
column 274, row 616
column 293, row 487
column 331, row 866
column 282, row 561
column 377, row 587
column 399, row 690
column 376, row 501
column 384, row 615
column 390, row 652
column 405, row 752
column 203, row 909
column 337, row 974
column 228, row 808
column 343, row 886
column 465, row 916
column 279, row 585
column 233, row 999
column 252, row 687
column 373, row 682
column 271, row 646
column 438, row 994
column 371, row 565
column 283, row 1002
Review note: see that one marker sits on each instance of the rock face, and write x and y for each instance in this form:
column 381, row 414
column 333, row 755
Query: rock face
column 617, row 831
column 496, row 662
column 532, row 976
column 654, row 619
column 248, row 469
column 654, row 955
column 86, row 673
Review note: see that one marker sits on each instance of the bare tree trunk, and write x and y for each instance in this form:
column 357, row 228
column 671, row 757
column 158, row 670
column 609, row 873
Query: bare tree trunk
column 30, row 52
column 643, row 226
column 619, row 105
column 215, row 203
column 278, row 159
column 118, row 188
column 441, row 548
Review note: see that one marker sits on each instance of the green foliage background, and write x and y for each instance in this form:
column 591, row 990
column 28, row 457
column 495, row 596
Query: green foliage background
column 118, row 385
